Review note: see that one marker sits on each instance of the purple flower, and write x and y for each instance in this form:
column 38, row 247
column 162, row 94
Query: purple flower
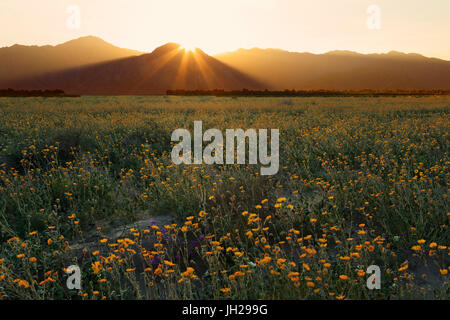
column 156, row 260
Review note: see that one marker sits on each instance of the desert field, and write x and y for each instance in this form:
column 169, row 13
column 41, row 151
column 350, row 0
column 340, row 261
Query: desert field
column 89, row 182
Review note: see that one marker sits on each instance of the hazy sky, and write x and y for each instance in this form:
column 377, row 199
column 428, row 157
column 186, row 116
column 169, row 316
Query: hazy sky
column 421, row 26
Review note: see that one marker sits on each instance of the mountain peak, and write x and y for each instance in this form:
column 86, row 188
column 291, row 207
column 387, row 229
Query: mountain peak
column 343, row 53
column 341, row 70
column 168, row 67
column 405, row 55
column 86, row 41
column 95, row 43
column 168, row 46
column 21, row 62
column 162, row 50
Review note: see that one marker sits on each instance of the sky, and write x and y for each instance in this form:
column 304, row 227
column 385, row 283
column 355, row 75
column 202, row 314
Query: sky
column 216, row 26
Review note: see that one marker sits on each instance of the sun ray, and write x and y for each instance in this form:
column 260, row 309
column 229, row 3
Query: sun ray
column 159, row 65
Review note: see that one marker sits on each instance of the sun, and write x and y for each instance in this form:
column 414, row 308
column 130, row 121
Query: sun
column 188, row 47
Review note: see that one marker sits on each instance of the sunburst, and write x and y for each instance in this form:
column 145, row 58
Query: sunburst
column 188, row 47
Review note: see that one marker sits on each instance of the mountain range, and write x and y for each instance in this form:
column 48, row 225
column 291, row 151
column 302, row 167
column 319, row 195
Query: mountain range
column 20, row 62
column 91, row 66
column 341, row 70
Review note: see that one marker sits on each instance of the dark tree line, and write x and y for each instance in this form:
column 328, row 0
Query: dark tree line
column 307, row 93
column 32, row 93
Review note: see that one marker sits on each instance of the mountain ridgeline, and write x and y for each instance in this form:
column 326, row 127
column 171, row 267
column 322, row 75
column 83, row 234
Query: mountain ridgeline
column 341, row 70
column 23, row 62
column 167, row 67
column 91, row 66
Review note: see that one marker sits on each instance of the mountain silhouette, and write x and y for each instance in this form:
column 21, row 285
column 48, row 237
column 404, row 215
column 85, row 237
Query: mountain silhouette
column 167, row 67
column 19, row 62
column 91, row 66
column 340, row 70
